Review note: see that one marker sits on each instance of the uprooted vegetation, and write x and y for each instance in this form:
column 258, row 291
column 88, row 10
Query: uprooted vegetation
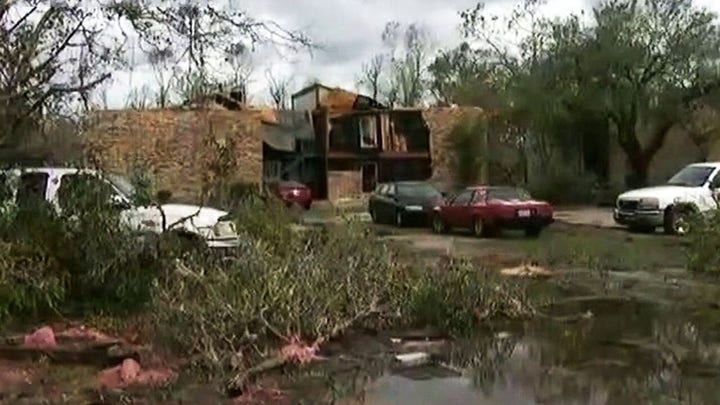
column 285, row 292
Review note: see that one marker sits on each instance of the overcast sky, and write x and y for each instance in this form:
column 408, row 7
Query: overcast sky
column 351, row 33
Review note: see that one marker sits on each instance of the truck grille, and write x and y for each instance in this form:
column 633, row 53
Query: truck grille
column 627, row 205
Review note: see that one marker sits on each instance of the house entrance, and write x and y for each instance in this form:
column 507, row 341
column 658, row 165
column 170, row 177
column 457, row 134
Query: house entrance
column 369, row 177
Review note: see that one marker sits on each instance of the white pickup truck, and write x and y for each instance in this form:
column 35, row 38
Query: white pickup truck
column 694, row 189
column 209, row 225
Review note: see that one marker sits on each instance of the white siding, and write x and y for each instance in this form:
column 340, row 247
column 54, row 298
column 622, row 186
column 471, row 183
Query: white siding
column 306, row 101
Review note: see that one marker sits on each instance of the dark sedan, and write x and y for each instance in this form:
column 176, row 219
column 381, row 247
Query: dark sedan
column 403, row 202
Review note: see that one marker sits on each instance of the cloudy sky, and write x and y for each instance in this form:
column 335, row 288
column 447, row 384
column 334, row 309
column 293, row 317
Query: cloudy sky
column 350, row 31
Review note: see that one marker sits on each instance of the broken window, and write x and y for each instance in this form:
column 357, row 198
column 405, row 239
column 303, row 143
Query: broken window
column 272, row 169
column 31, row 190
column 78, row 189
column 6, row 191
column 368, row 132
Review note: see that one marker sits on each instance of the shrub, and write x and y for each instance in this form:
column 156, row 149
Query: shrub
column 83, row 260
column 704, row 243
column 456, row 298
column 325, row 280
column 565, row 186
column 469, row 149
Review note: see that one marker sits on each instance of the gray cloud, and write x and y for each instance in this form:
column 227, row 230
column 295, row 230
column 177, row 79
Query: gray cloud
column 350, row 31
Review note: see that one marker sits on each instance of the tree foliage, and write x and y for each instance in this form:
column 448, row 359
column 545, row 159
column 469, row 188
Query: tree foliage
column 53, row 54
column 637, row 64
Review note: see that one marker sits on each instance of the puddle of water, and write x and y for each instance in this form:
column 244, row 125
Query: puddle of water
column 647, row 343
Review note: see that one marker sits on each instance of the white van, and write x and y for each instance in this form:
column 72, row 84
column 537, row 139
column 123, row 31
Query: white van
column 47, row 184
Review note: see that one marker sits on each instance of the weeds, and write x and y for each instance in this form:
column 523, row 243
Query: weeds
column 79, row 261
column 286, row 286
column 704, row 243
column 326, row 280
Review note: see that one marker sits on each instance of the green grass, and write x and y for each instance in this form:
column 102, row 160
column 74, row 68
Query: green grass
column 594, row 248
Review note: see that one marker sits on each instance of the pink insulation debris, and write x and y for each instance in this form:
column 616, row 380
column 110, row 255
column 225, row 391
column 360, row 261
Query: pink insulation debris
column 43, row 338
column 130, row 373
column 298, row 351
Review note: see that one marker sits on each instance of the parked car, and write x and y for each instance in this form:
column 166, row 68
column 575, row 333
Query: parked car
column 402, row 202
column 292, row 193
column 692, row 190
column 486, row 210
column 50, row 185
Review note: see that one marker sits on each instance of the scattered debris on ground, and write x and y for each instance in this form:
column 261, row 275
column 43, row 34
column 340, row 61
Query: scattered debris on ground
column 526, row 270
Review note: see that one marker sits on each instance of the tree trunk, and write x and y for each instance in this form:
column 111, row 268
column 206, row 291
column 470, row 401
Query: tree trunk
column 640, row 166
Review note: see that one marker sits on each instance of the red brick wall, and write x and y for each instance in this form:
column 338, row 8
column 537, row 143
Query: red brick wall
column 176, row 145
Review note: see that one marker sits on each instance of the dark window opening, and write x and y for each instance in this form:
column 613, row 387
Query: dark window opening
column 75, row 189
column 31, row 189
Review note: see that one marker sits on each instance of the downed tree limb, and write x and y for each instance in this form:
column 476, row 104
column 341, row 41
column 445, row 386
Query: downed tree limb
column 239, row 380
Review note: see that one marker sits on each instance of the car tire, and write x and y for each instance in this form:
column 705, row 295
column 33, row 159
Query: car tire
column 677, row 220
column 533, row 231
column 437, row 224
column 479, row 228
column 399, row 220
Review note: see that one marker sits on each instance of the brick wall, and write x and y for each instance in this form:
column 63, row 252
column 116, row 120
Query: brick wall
column 344, row 184
column 178, row 146
column 441, row 121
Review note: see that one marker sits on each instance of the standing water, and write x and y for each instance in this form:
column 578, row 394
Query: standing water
column 654, row 338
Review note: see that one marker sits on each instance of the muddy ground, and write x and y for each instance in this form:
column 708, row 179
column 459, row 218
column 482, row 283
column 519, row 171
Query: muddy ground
column 652, row 331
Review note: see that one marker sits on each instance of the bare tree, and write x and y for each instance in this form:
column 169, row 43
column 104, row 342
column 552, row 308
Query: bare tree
column 161, row 61
column 239, row 58
column 199, row 30
column 372, row 74
column 279, row 89
column 409, row 56
column 50, row 53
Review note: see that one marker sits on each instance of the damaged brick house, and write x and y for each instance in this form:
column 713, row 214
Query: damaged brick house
column 357, row 143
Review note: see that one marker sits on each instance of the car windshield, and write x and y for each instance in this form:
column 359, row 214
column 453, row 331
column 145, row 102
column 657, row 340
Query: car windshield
column 122, row 184
column 691, row 176
column 419, row 190
column 508, row 193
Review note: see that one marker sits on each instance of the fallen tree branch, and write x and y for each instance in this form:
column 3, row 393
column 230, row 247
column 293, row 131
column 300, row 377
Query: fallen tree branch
column 239, row 380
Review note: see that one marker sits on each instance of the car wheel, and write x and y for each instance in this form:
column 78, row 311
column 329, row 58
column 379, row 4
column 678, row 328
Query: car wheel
column 399, row 220
column 438, row 225
column 479, row 228
column 533, row 231
column 677, row 221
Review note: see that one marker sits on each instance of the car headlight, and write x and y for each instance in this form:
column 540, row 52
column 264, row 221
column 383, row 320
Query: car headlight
column 648, row 203
column 224, row 229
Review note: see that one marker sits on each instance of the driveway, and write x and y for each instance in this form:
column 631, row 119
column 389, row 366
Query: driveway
column 584, row 216
column 588, row 216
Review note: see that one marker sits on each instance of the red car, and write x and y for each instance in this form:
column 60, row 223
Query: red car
column 292, row 192
column 486, row 210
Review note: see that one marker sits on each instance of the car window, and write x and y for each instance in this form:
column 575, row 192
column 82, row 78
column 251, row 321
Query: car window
column 463, row 198
column 31, row 189
column 691, row 176
column 382, row 189
column 478, row 196
column 6, row 192
column 76, row 189
column 716, row 181
column 421, row 190
column 508, row 193
column 390, row 190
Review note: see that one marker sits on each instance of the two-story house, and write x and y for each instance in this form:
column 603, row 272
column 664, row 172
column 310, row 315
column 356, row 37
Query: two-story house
column 362, row 142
